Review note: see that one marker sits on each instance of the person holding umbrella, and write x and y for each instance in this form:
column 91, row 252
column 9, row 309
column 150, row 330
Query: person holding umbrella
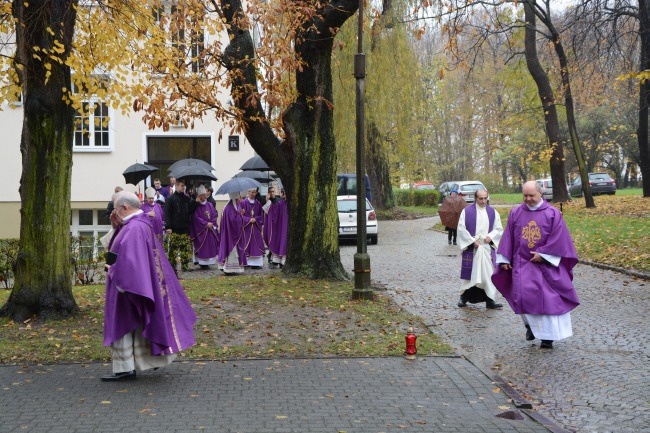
column 479, row 232
column 232, row 257
column 449, row 213
column 203, row 230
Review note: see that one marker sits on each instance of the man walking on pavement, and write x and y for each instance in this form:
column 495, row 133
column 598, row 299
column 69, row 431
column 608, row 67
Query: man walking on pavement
column 479, row 232
column 148, row 318
column 535, row 260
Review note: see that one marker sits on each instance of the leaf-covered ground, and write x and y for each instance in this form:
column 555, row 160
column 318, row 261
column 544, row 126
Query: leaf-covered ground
column 262, row 316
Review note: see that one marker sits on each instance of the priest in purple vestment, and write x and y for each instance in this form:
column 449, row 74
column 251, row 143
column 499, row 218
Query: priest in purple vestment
column 232, row 258
column 148, row 318
column 535, row 261
column 276, row 222
column 478, row 234
column 253, row 221
column 153, row 210
column 203, row 230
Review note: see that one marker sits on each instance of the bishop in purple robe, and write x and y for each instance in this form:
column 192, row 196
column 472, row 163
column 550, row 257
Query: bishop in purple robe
column 153, row 210
column 276, row 222
column 536, row 257
column 232, row 258
column 148, row 318
column 253, row 222
column 203, row 230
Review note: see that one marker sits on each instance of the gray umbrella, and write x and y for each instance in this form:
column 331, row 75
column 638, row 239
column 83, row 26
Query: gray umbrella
column 255, row 174
column 238, row 184
column 189, row 162
column 255, row 163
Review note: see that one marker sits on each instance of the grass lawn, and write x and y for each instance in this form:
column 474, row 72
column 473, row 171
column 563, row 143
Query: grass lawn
column 244, row 317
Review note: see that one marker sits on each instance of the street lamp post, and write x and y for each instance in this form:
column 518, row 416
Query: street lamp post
column 362, row 288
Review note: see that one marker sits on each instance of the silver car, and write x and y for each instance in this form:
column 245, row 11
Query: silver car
column 466, row 189
column 547, row 188
column 347, row 209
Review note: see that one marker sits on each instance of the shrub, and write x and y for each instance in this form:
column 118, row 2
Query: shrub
column 87, row 260
column 412, row 197
column 179, row 250
column 8, row 256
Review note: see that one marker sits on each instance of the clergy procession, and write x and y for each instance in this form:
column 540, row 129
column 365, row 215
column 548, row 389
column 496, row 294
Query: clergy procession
column 148, row 318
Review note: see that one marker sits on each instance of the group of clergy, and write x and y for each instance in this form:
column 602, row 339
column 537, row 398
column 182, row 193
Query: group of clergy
column 534, row 258
column 244, row 233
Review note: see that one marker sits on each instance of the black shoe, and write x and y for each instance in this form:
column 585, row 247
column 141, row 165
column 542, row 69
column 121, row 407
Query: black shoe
column 117, row 377
column 546, row 344
column 462, row 302
column 449, row 242
column 529, row 334
column 492, row 305
column 204, row 267
column 454, row 242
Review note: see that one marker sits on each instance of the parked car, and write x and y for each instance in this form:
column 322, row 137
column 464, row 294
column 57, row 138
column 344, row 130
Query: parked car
column 547, row 188
column 423, row 185
column 466, row 189
column 444, row 190
column 347, row 185
column 600, row 183
column 347, row 209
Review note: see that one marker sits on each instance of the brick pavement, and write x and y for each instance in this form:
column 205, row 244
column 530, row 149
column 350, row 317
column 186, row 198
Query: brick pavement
column 596, row 381
column 430, row 394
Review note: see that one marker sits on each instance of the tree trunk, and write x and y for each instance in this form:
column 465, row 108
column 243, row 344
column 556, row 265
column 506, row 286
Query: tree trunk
column 43, row 273
column 545, row 91
column 306, row 159
column 378, row 169
column 644, row 97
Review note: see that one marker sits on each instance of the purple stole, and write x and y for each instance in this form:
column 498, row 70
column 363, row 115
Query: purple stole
column 468, row 254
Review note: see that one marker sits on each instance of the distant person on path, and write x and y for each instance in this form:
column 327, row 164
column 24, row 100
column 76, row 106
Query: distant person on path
column 479, row 232
column 253, row 221
column 449, row 211
column 232, row 257
column 276, row 222
column 535, row 261
column 203, row 230
column 147, row 316
column 153, row 210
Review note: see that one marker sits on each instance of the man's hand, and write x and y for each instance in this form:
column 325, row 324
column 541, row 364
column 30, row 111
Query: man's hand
column 506, row 266
column 210, row 225
column 488, row 240
column 476, row 244
column 168, row 231
column 116, row 221
column 536, row 257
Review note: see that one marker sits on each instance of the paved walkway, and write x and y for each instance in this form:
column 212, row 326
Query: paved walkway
column 596, row 381
column 430, row 394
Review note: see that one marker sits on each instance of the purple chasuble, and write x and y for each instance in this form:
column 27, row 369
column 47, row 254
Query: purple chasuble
column 467, row 261
column 204, row 239
column 276, row 223
column 151, row 296
column 156, row 221
column 537, row 288
column 232, row 234
column 253, row 221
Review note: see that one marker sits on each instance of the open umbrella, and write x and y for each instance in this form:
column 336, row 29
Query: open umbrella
column 189, row 162
column 138, row 172
column 193, row 173
column 238, row 184
column 450, row 210
column 255, row 163
column 255, row 174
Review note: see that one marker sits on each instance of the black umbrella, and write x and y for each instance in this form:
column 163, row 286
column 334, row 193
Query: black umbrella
column 138, row 172
column 255, row 163
column 193, row 173
column 189, row 162
column 255, row 174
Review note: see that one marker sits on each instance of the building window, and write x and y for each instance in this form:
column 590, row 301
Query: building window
column 89, row 225
column 93, row 126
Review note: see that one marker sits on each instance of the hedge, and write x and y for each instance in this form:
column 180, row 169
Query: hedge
column 414, row 197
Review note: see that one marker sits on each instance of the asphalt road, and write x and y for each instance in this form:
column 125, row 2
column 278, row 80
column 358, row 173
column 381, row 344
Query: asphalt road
column 596, row 381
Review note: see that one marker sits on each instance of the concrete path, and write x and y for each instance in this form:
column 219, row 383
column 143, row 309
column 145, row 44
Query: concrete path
column 596, row 381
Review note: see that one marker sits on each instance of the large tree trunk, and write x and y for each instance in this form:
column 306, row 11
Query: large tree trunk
column 644, row 97
column 545, row 91
column 378, row 169
column 43, row 274
column 306, row 159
